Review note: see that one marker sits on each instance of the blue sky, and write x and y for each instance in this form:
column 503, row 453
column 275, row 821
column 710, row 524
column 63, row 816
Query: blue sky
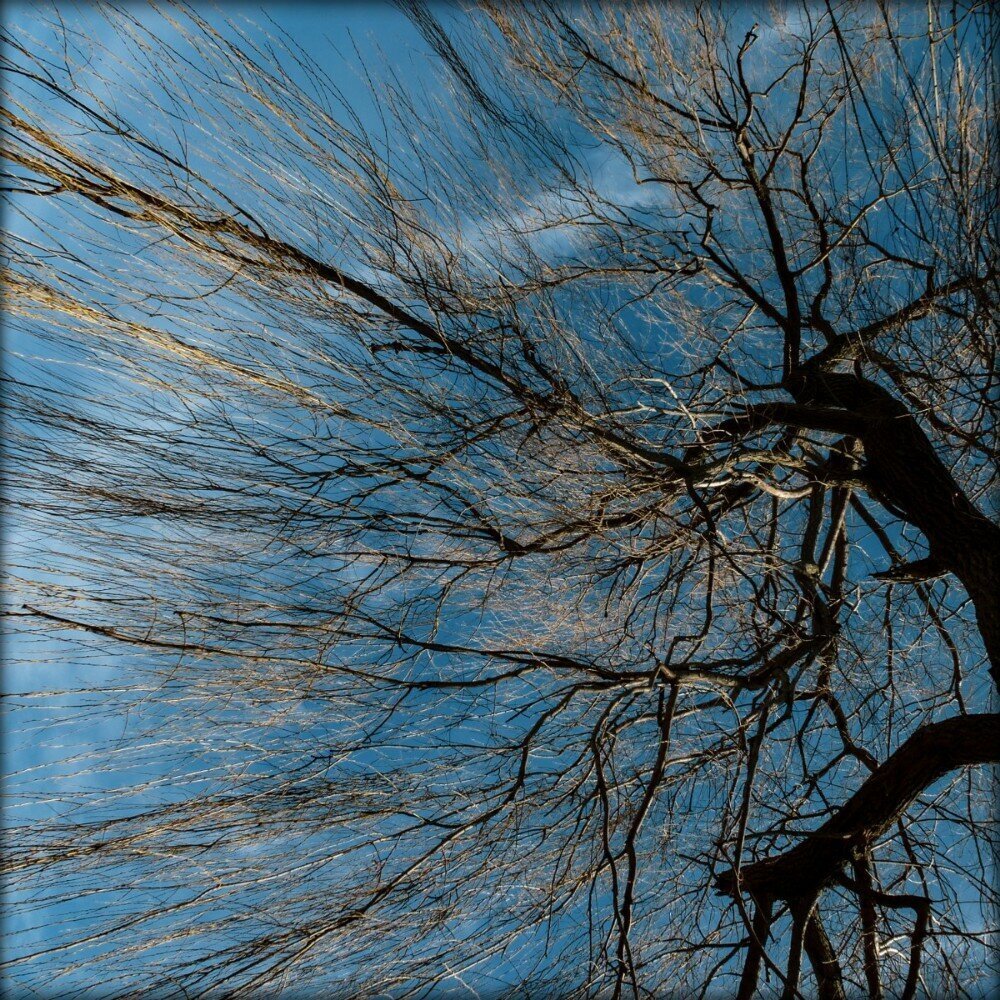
column 59, row 685
column 54, row 662
column 53, row 731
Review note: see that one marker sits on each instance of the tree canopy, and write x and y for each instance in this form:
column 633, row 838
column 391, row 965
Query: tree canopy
column 525, row 532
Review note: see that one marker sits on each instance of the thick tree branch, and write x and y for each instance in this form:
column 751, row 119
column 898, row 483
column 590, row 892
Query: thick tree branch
column 906, row 474
column 846, row 346
column 823, row 958
column 931, row 752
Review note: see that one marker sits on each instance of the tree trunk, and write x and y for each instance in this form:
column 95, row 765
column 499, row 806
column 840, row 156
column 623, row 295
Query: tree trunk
column 906, row 474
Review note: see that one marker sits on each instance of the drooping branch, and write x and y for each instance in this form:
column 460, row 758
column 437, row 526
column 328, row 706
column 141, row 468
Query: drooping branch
column 215, row 233
column 931, row 752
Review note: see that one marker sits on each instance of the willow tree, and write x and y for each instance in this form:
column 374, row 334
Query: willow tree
column 528, row 533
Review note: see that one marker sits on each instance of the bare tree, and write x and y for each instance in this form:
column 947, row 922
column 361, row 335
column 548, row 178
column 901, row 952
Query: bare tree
column 539, row 542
